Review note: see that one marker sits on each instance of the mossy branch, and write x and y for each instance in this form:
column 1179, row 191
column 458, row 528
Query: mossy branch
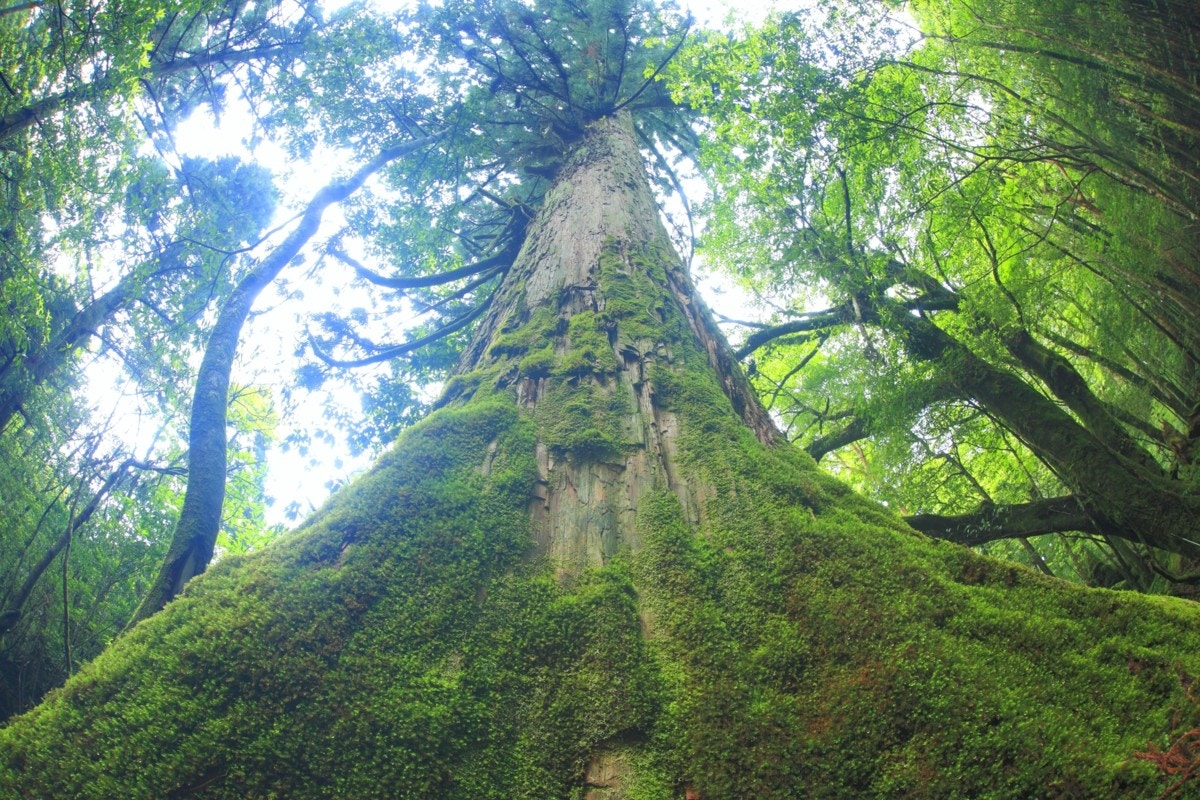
column 992, row 522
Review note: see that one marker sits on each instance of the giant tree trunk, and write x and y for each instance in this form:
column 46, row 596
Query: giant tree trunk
column 597, row 318
column 595, row 572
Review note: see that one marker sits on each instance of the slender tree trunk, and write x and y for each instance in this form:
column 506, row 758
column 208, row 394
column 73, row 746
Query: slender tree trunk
column 195, row 537
column 14, row 606
column 25, row 373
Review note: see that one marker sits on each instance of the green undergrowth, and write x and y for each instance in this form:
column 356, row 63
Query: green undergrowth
column 797, row 641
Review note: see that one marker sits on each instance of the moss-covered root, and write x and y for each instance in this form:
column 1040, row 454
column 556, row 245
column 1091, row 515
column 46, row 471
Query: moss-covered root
column 813, row 647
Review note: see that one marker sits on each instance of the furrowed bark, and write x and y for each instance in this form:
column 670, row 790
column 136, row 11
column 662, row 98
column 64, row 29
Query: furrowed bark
column 597, row 235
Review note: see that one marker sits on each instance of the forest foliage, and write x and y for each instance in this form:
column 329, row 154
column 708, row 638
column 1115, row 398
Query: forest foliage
column 976, row 232
column 972, row 230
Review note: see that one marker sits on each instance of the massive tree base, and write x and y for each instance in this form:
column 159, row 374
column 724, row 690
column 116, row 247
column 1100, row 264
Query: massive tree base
column 792, row 642
column 594, row 574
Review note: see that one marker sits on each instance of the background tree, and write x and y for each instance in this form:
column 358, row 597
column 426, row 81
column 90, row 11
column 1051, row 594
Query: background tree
column 996, row 228
column 194, row 540
column 113, row 246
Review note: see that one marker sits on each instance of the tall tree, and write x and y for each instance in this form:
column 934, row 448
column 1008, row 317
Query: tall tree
column 598, row 569
column 109, row 254
column 195, row 537
column 997, row 226
column 79, row 189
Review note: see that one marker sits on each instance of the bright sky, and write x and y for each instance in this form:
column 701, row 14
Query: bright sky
column 267, row 354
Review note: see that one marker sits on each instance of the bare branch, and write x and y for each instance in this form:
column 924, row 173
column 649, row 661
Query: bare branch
column 403, row 349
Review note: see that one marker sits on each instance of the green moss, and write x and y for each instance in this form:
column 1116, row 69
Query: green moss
column 588, row 351
column 633, row 296
column 584, row 418
column 795, row 642
column 538, row 363
column 904, row 680
column 400, row 632
column 520, row 337
column 462, row 386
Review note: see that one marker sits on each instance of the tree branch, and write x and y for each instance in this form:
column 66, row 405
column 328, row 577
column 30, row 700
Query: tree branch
column 195, row 535
column 990, row 522
column 403, row 349
column 839, row 315
column 20, row 119
column 423, row 281
column 857, row 430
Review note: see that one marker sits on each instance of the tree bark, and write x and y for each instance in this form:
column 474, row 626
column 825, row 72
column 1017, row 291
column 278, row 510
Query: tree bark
column 857, row 429
column 1062, row 379
column 589, row 245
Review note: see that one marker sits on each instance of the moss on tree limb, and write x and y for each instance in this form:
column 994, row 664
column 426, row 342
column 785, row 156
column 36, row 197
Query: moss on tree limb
column 991, row 522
